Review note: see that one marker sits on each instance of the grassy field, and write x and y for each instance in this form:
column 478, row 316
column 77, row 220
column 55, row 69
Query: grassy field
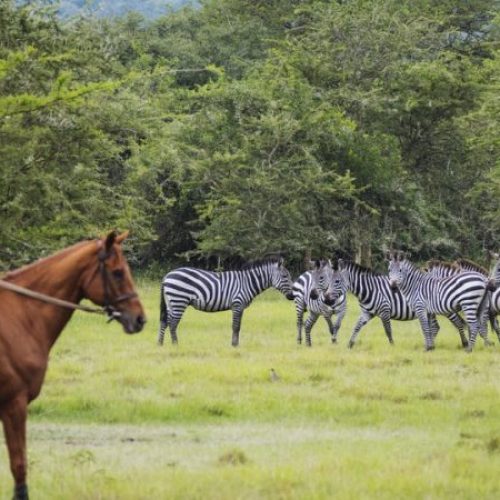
column 121, row 418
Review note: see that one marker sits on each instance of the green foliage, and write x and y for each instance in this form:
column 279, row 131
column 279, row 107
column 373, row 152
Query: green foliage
column 239, row 128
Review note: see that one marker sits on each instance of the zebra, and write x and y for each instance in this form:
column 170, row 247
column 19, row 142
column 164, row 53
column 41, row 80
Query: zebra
column 377, row 298
column 494, row 281
column 429, row 296
column 218, row 291
column 442, row 269
column 306, row 298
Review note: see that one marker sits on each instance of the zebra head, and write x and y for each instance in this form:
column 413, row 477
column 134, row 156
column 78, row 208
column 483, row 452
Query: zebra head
column 328, row 280
column 281, row 279
column 397, row 268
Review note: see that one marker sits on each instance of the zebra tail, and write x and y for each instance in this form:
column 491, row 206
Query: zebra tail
column 163, row 316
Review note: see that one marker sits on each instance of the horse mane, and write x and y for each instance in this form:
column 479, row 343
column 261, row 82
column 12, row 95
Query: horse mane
column 361, row 268
column 44, row 260
column 471, row 264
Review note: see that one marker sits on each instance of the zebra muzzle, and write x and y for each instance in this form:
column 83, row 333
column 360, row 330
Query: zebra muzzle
column 393, row 284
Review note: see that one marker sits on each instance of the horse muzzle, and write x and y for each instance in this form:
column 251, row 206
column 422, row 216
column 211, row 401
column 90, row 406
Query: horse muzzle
column 131, row 323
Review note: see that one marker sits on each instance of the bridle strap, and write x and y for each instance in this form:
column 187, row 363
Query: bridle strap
column 6, row 285
column 109, row 304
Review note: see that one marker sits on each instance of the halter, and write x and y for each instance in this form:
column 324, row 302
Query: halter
column 109, row 305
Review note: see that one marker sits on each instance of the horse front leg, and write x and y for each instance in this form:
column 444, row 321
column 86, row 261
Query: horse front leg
column 13, row 417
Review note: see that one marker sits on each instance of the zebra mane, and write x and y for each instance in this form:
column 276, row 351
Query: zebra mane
column 441, row 263
column 361, row 268
column 254, row 264
column 471, row 265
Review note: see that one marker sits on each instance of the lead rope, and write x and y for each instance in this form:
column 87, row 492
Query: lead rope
column 6, row 285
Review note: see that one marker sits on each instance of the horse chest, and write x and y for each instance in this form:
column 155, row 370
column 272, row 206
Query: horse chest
column 22, row 369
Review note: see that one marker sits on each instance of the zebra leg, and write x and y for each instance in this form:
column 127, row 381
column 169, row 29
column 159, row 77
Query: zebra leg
column 483, row 326
column 174, row 316
column 336, row 326
column 363, row 319
column 385, row 316
column 237, row 314
column 426, row 330
column 300, row 308
column 459, row 324
column 333, row 328
column 494, row 324
column 311, row 320
column 433, row 325
column 474, row 324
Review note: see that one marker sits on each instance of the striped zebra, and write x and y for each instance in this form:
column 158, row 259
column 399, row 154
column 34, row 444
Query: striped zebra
column 494, row 282
column 377, row 298
column 212, row 291
column 429, row 296
column 442, row 269
column 307, row 298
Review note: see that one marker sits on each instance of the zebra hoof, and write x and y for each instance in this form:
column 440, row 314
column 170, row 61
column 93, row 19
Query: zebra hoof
column 429, row 348
column 489, row 343
column 350, row 345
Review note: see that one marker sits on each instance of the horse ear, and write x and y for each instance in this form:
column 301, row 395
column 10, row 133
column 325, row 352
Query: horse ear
column 120, row 237
column 110, row 240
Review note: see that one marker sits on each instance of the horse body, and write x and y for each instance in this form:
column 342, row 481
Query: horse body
column 29, row 327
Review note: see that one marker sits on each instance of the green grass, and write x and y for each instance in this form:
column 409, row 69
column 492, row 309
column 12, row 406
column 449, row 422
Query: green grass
column 120, row 417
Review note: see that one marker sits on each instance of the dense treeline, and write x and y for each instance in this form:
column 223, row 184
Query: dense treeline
column 245, row 127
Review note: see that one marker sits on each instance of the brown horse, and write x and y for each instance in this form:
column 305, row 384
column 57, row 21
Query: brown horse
column 94, row 269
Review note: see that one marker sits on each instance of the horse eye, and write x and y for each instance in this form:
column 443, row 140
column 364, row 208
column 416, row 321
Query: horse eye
column 118, row 274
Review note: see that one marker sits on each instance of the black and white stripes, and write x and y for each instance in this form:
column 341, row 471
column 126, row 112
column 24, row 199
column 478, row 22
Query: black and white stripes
column 429, row 296
column 211, row 291
column 318, row 304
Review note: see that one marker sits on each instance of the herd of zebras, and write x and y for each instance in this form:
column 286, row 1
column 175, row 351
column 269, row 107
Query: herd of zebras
column 463, row 291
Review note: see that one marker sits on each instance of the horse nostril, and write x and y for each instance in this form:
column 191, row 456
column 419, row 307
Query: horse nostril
column 140, row 321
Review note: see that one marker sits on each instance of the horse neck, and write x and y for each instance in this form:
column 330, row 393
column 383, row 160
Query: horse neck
column 58, row 276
